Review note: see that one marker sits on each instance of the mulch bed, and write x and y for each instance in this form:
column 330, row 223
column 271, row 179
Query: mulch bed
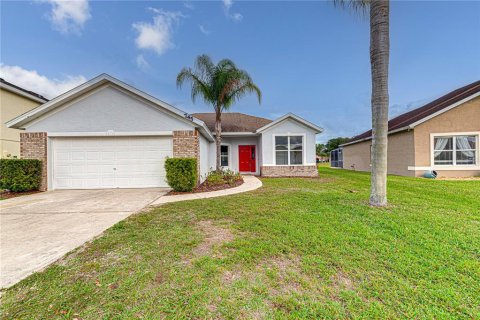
column 10, row 194
column 205, row 188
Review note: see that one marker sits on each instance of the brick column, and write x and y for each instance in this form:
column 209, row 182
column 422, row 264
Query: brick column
column 186, row 144
column 33, row 145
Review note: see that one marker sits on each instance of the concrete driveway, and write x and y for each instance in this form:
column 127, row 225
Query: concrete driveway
column 36, row 230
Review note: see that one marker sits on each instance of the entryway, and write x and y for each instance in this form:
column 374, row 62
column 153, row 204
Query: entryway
column 247, row 158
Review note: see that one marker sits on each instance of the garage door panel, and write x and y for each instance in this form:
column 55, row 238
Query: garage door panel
column 110, row 162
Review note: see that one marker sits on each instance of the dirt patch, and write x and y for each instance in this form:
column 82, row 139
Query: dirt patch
column 282, row 274
column 206, row 188
column 288, row 275
column 214, row 236
column 4, row 194
column 341, row 281
column 229, row 276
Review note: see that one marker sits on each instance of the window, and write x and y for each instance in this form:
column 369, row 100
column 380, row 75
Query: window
column 455, row 150
column 288, row 150
column 224, row 156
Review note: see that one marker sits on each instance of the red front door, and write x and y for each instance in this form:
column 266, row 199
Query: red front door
column 246, row 155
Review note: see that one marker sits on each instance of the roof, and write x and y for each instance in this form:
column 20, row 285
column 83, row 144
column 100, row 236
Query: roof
column 293, row 117
column 23, row 120
column 24, row 92
column 233, row 121
column 414, row 117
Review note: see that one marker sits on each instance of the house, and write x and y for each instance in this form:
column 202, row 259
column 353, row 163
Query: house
column 442, row 135
column 14, row 101
column 107, row 134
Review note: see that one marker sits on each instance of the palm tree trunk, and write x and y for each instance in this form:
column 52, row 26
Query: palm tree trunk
column 379, row 58
column 218, row 138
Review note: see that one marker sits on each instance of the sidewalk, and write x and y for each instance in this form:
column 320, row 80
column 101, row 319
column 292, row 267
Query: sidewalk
column 249, row 183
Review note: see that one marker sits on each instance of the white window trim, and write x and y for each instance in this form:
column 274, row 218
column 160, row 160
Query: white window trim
column 229, row 155
column 289, row 134
column 475, row 166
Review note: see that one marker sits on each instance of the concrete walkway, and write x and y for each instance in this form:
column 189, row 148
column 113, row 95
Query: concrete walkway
column 38, row 229
column 250, row 183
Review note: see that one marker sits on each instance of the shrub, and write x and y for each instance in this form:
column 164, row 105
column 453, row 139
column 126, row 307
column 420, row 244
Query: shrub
column 19, row 175
column 226, row 176
column 214, row 179
column 181, row 173
column 231, row 177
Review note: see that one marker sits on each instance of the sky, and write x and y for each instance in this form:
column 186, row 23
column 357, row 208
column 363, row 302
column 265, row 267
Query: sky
column 310, row 58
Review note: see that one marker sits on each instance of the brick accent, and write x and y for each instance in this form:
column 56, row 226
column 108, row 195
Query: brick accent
column 186, row 144
column 289, row 171
column 33, row 145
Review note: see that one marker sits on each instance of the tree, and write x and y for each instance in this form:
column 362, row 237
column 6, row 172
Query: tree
column 379, row 61
column 334, row 143
column 219, row 85
column 320, row 150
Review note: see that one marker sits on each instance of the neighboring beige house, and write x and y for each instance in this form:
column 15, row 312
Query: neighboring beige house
column 14, row 101
column 442, row 135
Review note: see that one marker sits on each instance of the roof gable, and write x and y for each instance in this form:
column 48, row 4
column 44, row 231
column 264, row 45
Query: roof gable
column 108, row 108
column 294, row 117
column 414, row 117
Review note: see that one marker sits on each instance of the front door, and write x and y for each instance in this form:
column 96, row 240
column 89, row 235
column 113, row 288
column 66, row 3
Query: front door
column 247, row 156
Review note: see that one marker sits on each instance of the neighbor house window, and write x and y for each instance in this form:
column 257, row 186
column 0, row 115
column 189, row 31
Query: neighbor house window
column 288, row 150
column 224, row 156
column 455, row 150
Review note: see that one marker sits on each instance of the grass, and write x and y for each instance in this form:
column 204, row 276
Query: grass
column 296, row 248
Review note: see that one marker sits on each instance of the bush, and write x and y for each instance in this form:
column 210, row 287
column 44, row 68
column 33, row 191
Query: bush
column 214, row 179
column 227, row 176
column 231, row 177
column 19, row 175
column 181, row 173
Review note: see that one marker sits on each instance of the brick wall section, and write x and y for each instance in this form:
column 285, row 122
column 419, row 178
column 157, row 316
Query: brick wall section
column 186, row 144
column 289, row 171
column 33, row 145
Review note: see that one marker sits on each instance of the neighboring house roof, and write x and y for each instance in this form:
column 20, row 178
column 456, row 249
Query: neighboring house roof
column 21, row 121
column 233, row 121
column 293, row 117
column 21, row 91
column 414, row 117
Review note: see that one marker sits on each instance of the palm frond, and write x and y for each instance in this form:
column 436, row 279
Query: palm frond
column 355, row 5
column 198, row 86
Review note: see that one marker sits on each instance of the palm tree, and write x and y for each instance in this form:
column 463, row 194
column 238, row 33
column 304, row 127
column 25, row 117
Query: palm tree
column 379, row 59
column 219, row 85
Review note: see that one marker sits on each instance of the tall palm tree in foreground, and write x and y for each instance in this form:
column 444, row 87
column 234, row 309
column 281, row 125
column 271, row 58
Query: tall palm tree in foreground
column 379, row 59
column 219, row 85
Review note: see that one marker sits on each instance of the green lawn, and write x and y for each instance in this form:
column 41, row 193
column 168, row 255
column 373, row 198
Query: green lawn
column 296, row 248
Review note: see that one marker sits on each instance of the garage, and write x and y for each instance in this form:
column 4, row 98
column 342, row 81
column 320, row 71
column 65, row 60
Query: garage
column 109, row 162
column 107, row 134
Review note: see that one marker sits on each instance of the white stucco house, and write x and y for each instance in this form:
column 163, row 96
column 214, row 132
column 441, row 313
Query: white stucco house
column 107, row 134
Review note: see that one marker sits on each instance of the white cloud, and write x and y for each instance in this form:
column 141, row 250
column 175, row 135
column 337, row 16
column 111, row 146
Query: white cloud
column 204, row 30
column 142, row 63
column 235, row 16
column 157, row 36
column 32, row 81
column 69, row 16
column 189, row 5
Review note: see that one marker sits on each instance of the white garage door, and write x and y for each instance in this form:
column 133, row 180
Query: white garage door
column 110, row 162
